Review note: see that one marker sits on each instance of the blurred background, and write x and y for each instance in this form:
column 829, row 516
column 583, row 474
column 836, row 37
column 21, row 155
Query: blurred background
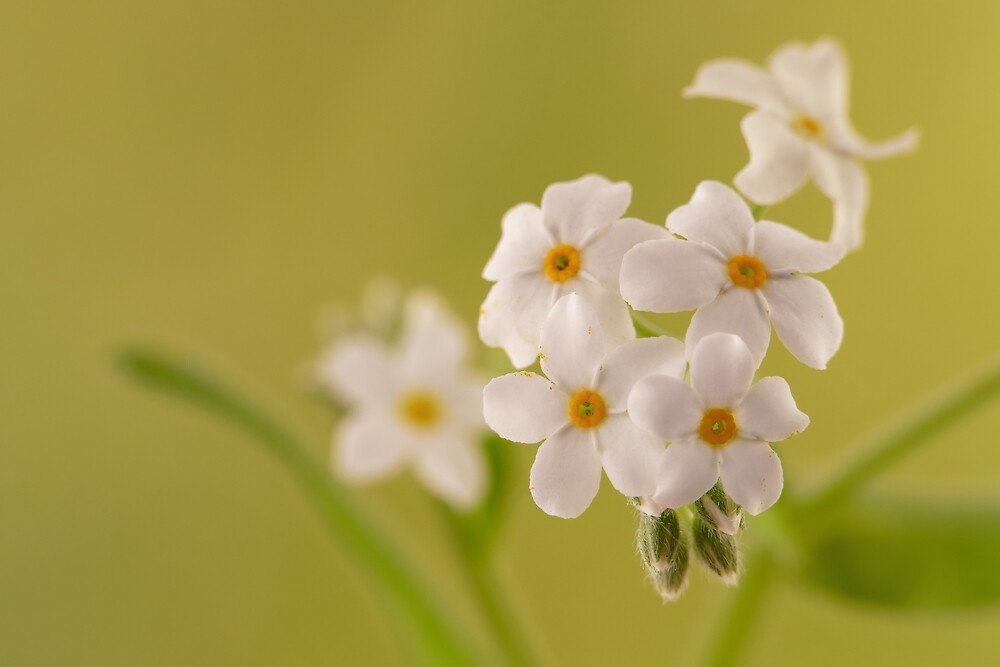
column 213, row 175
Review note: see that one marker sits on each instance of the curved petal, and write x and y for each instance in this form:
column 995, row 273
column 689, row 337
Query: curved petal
column 665, row 407
column 512, row 316
column 769, row 412
column 813, row 78
column 358, row 370
column 602, row 255
column 784, row 249
column 751, row 474
column 738, row 311
column 434, row 343
column 688, row 469
column 844, row 181
column 612, row 311
column 634, row 360
column 779, row 159
column 452, row 467
column 368, row 447
column 523, row 244
column 716, row 215
column 629, row 455
column 572, row 344
column 722, row 369
column 566, row 474
column 524, row 407
column 805, row 318
column 849, row 141
column 670, row 276
column 572, row 211
column 737, row 81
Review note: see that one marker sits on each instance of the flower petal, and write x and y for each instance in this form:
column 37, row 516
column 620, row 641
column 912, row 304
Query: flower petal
column 716, row 215
column 813, row 78
column 782, row 248
column 669, row 275
column 751, row 474
column 358, row 370
column 629, row 455
column 779, row 159
column 523, row 244
column 687, row 470
column 769, row 412
column 512, row 315
column 805, row 318
column 369, row 446
column 572, row 211
column 738, row 81
column 738, row 311
column 849, row 141
column 634, row 360
column 566, row 474
column 602, row 255
column 434, row 342
column 665, row 407
column 452, row 467
column 844, row 181
column 722, row 369
column 524, row 407
column 612, row 311
column 572, row 346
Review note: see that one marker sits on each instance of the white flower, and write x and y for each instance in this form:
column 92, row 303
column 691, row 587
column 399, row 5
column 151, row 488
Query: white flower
column 412, row 405
column 740, row 275
column 573, row 243
column 717, row 426
column 580, row 411
column 800, row 128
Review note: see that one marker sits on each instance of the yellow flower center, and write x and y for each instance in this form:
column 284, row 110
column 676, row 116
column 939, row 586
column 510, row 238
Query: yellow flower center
column 808, row 127
column 747, row 271
column 561, row 263
column 717, row 427
column 420, row 409
column 587, row 408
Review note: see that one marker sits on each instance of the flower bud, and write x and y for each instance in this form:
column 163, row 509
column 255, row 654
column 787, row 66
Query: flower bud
column 664, row 551
column 718, row 551
column 719, row 510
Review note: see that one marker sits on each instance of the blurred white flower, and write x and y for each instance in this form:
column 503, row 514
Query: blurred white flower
column 740, row 275
column 573, row 243
column 719, row 426
column 580, row 411
column 416, row 404
column 800, row 128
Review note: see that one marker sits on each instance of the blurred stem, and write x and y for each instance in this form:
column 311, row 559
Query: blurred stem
column 757, row 210
column 905, row 433
column 644, row 329
column 413, row 603
column 728, row 642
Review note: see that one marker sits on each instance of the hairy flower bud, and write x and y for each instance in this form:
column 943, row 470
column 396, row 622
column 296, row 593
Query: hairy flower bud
column 719, row 510
column 665, row 553
column 718, row 551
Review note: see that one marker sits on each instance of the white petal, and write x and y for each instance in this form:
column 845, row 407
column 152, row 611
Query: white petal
column 738, row 81
column 779, row 159
column 805, row 318
column 629, row 455
column 634, row 360
column 769, row 412
column 512, row 315
column 782, row 248
column 665, row 407
column 602, row 256
column 434, row 342
column 751, row 474
column 669, row 275
column 722, row 369
column 359, row 370
column 452, row 467
column 523, row 244
column 572, row 346
column 369, row 446
column 844, row 181
column 716, row 215
column 738, row 311
column 572, row 211
column 849, row 141
column 463, row 396
column 566, row 474
column 688, row 469
column 813, row 78
column 524, row 407
column 612, row 311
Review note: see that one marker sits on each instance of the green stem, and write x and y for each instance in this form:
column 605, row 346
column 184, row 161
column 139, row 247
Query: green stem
column 644, row 329
column 757, row 210
column 732, row 631
column 433, row 631
column 904, row 434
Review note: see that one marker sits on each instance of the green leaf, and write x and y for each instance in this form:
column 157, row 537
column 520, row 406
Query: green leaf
column 905, row 554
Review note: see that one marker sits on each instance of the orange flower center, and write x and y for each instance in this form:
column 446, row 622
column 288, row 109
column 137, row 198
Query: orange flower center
column 717, row 427
column 747, row 271
column 561, row 263
column 808, row 127
column 420, row 409
column 587, row 408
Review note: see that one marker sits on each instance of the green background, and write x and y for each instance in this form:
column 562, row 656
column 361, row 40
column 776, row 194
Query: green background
column 211, row 175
